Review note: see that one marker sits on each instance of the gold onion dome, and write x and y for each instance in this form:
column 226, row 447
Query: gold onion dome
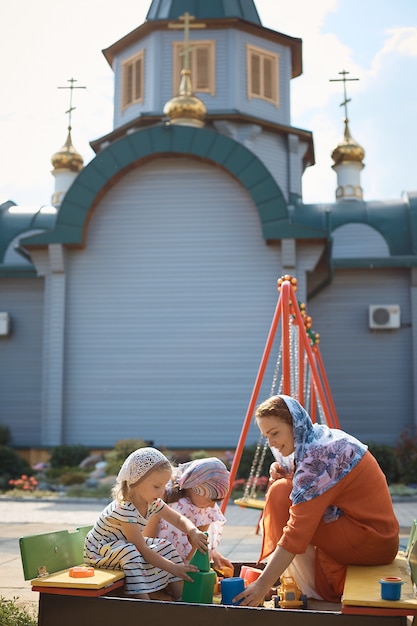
column 67, row 158
column 186, row 108
column 348, row 149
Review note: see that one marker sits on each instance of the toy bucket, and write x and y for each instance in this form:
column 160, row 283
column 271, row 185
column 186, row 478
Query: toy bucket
column 391, row 587
column 252, row 574
column 231, row 587
column 201, row 590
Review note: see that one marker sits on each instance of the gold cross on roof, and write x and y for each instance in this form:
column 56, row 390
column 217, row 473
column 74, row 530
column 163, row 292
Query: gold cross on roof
column 71, row 108
column 343, row 73
column 186, row 18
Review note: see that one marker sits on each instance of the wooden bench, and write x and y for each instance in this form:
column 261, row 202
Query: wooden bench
column 48, row 557
column 362, row 591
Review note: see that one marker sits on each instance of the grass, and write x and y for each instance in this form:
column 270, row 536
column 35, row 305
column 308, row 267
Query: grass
column 80, row 491
column 403, row 490
column 37, row 493
column 13, row 615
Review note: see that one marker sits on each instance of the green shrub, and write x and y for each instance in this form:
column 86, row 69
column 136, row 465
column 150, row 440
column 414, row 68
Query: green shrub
column 5, row 437
column 102, row 492
column 199, row 454
column 385, row 455
column 120, row 452
column 11, row 466
column 72, row 477
column 12, row 615
column 52, row 474
column 68, row 456
column 406, row 455
column 247, row 460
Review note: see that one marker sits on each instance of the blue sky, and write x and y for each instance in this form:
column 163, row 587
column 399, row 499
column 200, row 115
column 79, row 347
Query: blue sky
column 45, row 43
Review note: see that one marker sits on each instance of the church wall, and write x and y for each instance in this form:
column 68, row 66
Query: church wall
column 20, row 360
column 270, row 148
column 168, row 310
column 369, row 371
column 359, row 240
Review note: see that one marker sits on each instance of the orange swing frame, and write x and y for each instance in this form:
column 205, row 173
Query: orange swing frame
column 288, row 311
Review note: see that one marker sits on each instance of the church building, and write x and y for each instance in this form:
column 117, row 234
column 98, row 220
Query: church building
column 138, row 304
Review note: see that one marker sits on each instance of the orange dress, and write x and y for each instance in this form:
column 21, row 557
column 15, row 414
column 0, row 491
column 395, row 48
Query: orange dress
column 366, row 534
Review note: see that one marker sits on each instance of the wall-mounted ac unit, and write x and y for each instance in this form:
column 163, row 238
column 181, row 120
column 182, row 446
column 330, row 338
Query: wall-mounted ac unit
column 384, row 316
column 4, row 324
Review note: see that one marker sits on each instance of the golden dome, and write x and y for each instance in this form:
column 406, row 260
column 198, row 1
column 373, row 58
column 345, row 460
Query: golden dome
column 185, row 109
column 67, row 158
column 348, row 149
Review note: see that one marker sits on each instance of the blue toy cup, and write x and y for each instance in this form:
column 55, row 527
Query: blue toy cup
column 231, row 587
column 391, row 587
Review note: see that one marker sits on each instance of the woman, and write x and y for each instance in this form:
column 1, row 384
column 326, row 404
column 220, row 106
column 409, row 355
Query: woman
column 332, row 509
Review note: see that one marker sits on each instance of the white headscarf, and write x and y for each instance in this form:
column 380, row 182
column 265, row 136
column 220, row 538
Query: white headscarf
column 139, row 463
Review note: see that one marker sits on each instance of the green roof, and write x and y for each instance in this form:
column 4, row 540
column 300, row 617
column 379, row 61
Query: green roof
column 203, row 9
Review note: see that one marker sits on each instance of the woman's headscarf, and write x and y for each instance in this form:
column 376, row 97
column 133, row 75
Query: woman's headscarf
column 322, row 455
column 206, row 477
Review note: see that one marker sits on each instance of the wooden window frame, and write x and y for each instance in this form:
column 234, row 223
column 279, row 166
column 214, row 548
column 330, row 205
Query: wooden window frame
column 133, row 93
column 208, row 45
column 270, row 92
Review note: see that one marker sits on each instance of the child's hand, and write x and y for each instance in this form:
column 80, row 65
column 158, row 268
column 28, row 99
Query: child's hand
column 221, row 564
column 181, row 570
column 198, row 540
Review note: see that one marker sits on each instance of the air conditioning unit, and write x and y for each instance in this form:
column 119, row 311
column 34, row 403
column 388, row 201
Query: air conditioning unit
column 384, row 316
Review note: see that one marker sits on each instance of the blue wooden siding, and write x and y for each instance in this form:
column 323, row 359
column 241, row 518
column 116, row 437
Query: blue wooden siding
column 168, row 311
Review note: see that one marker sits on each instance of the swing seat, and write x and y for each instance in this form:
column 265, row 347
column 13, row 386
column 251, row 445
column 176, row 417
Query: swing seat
column 250, row 503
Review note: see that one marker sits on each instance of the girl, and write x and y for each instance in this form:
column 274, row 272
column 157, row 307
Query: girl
column 116, row 541
column 332, row 510
column 195, row 490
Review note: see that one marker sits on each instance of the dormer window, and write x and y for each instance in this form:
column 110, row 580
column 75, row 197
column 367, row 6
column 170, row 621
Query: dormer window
column 132, row 79
column 202, row 66
column 263, row 74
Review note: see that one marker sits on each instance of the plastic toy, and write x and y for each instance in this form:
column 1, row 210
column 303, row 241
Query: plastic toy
column 289, row 595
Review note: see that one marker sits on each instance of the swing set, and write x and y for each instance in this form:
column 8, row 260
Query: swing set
column 299, row 372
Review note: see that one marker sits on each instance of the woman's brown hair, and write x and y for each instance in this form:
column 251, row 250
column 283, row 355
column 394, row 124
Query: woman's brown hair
column 274, row 406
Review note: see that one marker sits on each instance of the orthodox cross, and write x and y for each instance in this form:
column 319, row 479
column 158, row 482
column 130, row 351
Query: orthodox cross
column 71, row 88
column 343, row 73
column 186, row 18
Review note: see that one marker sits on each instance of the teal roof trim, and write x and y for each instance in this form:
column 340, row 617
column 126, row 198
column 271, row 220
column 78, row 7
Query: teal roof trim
column 17, row 271
column 106, row 168
column 412, row 204
column 203, row 9
column 396, row 221
column 14, row 224
column 375, row 263
column 390, row 219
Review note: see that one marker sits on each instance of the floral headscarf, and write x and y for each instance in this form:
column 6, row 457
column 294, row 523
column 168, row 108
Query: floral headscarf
column 322, row 455
column 207, row 477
